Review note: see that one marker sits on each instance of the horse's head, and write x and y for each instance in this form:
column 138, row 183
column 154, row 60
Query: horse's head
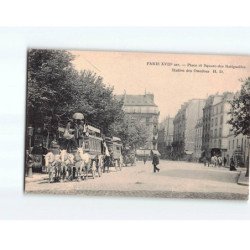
column 80, row 150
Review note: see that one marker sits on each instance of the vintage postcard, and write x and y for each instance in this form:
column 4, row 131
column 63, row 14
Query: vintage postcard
column 137, row 124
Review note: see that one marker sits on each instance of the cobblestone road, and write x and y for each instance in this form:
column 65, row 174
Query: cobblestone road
column 175, row 179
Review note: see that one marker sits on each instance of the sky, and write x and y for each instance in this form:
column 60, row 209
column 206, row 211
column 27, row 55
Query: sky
column 172, row 78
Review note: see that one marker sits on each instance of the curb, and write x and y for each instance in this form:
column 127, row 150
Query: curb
column 242, row 180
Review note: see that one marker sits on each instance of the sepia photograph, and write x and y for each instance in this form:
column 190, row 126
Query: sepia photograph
column 136, row 124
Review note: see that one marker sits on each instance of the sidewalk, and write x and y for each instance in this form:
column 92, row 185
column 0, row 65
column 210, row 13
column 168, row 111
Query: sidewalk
column 242, row 179
column 36, row 177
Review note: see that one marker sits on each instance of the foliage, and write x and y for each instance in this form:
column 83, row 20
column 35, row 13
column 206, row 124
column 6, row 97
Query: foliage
column 56, row 91
column 132, row 132
column 240, row 110
column 97, row 102
column 50, row 77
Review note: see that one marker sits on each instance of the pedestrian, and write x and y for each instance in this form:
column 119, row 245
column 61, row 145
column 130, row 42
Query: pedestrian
column 155, row 163
column 219, row 161
column 208, row 161
column 232, row 165
column 205, row 161
column 215, row 161
column 224, row 161
column 145, row 159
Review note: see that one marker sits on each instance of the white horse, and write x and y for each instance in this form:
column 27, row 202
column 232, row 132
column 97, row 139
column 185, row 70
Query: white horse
column 86, row 162
column 66, row 157
column 85, row 157
column 49, row 158
column 55, row 169
column 67, row 160
column 80, row 160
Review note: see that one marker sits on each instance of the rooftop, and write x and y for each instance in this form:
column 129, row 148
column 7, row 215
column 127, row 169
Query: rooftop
column 138, row 100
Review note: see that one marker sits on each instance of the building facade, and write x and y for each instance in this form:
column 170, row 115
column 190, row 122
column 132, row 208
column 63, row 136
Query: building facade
column 165, row 137
column 198, row 139
column 143, row 109
column 238, row 149
column 219, row 127
column 206, row 121
column 185, row 122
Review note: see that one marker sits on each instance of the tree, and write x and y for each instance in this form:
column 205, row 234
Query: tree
column 49, row 93
column 56, row 91
column 240, row 113
column 97, row 101
column 132, row 132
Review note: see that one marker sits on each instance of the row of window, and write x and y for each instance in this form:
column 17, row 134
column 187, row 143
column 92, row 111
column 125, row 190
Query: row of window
column 216, row 132
column 139, row 109
column 232, row 144
column 214, row 122
column 199, row 132
column 198, row 146
column 217, row 144
column 217, row 109
column 93, row 144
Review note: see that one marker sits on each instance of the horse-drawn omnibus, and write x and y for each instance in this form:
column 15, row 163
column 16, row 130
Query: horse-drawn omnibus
column 114, row 145
column 92, row 144
column 75, row 138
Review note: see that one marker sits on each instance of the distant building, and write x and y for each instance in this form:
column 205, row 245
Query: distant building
column 184, row 128
column 198, row 139
column 238, row 148
column 219, row 128
column 143, row 109
column 165, row 137
column 206, row 120
column 223, row 141
column 218, row 137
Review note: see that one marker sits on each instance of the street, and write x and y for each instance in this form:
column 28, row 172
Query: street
column 176, row 179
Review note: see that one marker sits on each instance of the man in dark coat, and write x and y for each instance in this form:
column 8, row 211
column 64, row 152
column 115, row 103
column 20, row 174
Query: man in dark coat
column 232, row 165
column 225, row 161
column 155, row 162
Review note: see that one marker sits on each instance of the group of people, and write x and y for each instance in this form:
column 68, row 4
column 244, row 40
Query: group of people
column 218, row 161
column 215, row 161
